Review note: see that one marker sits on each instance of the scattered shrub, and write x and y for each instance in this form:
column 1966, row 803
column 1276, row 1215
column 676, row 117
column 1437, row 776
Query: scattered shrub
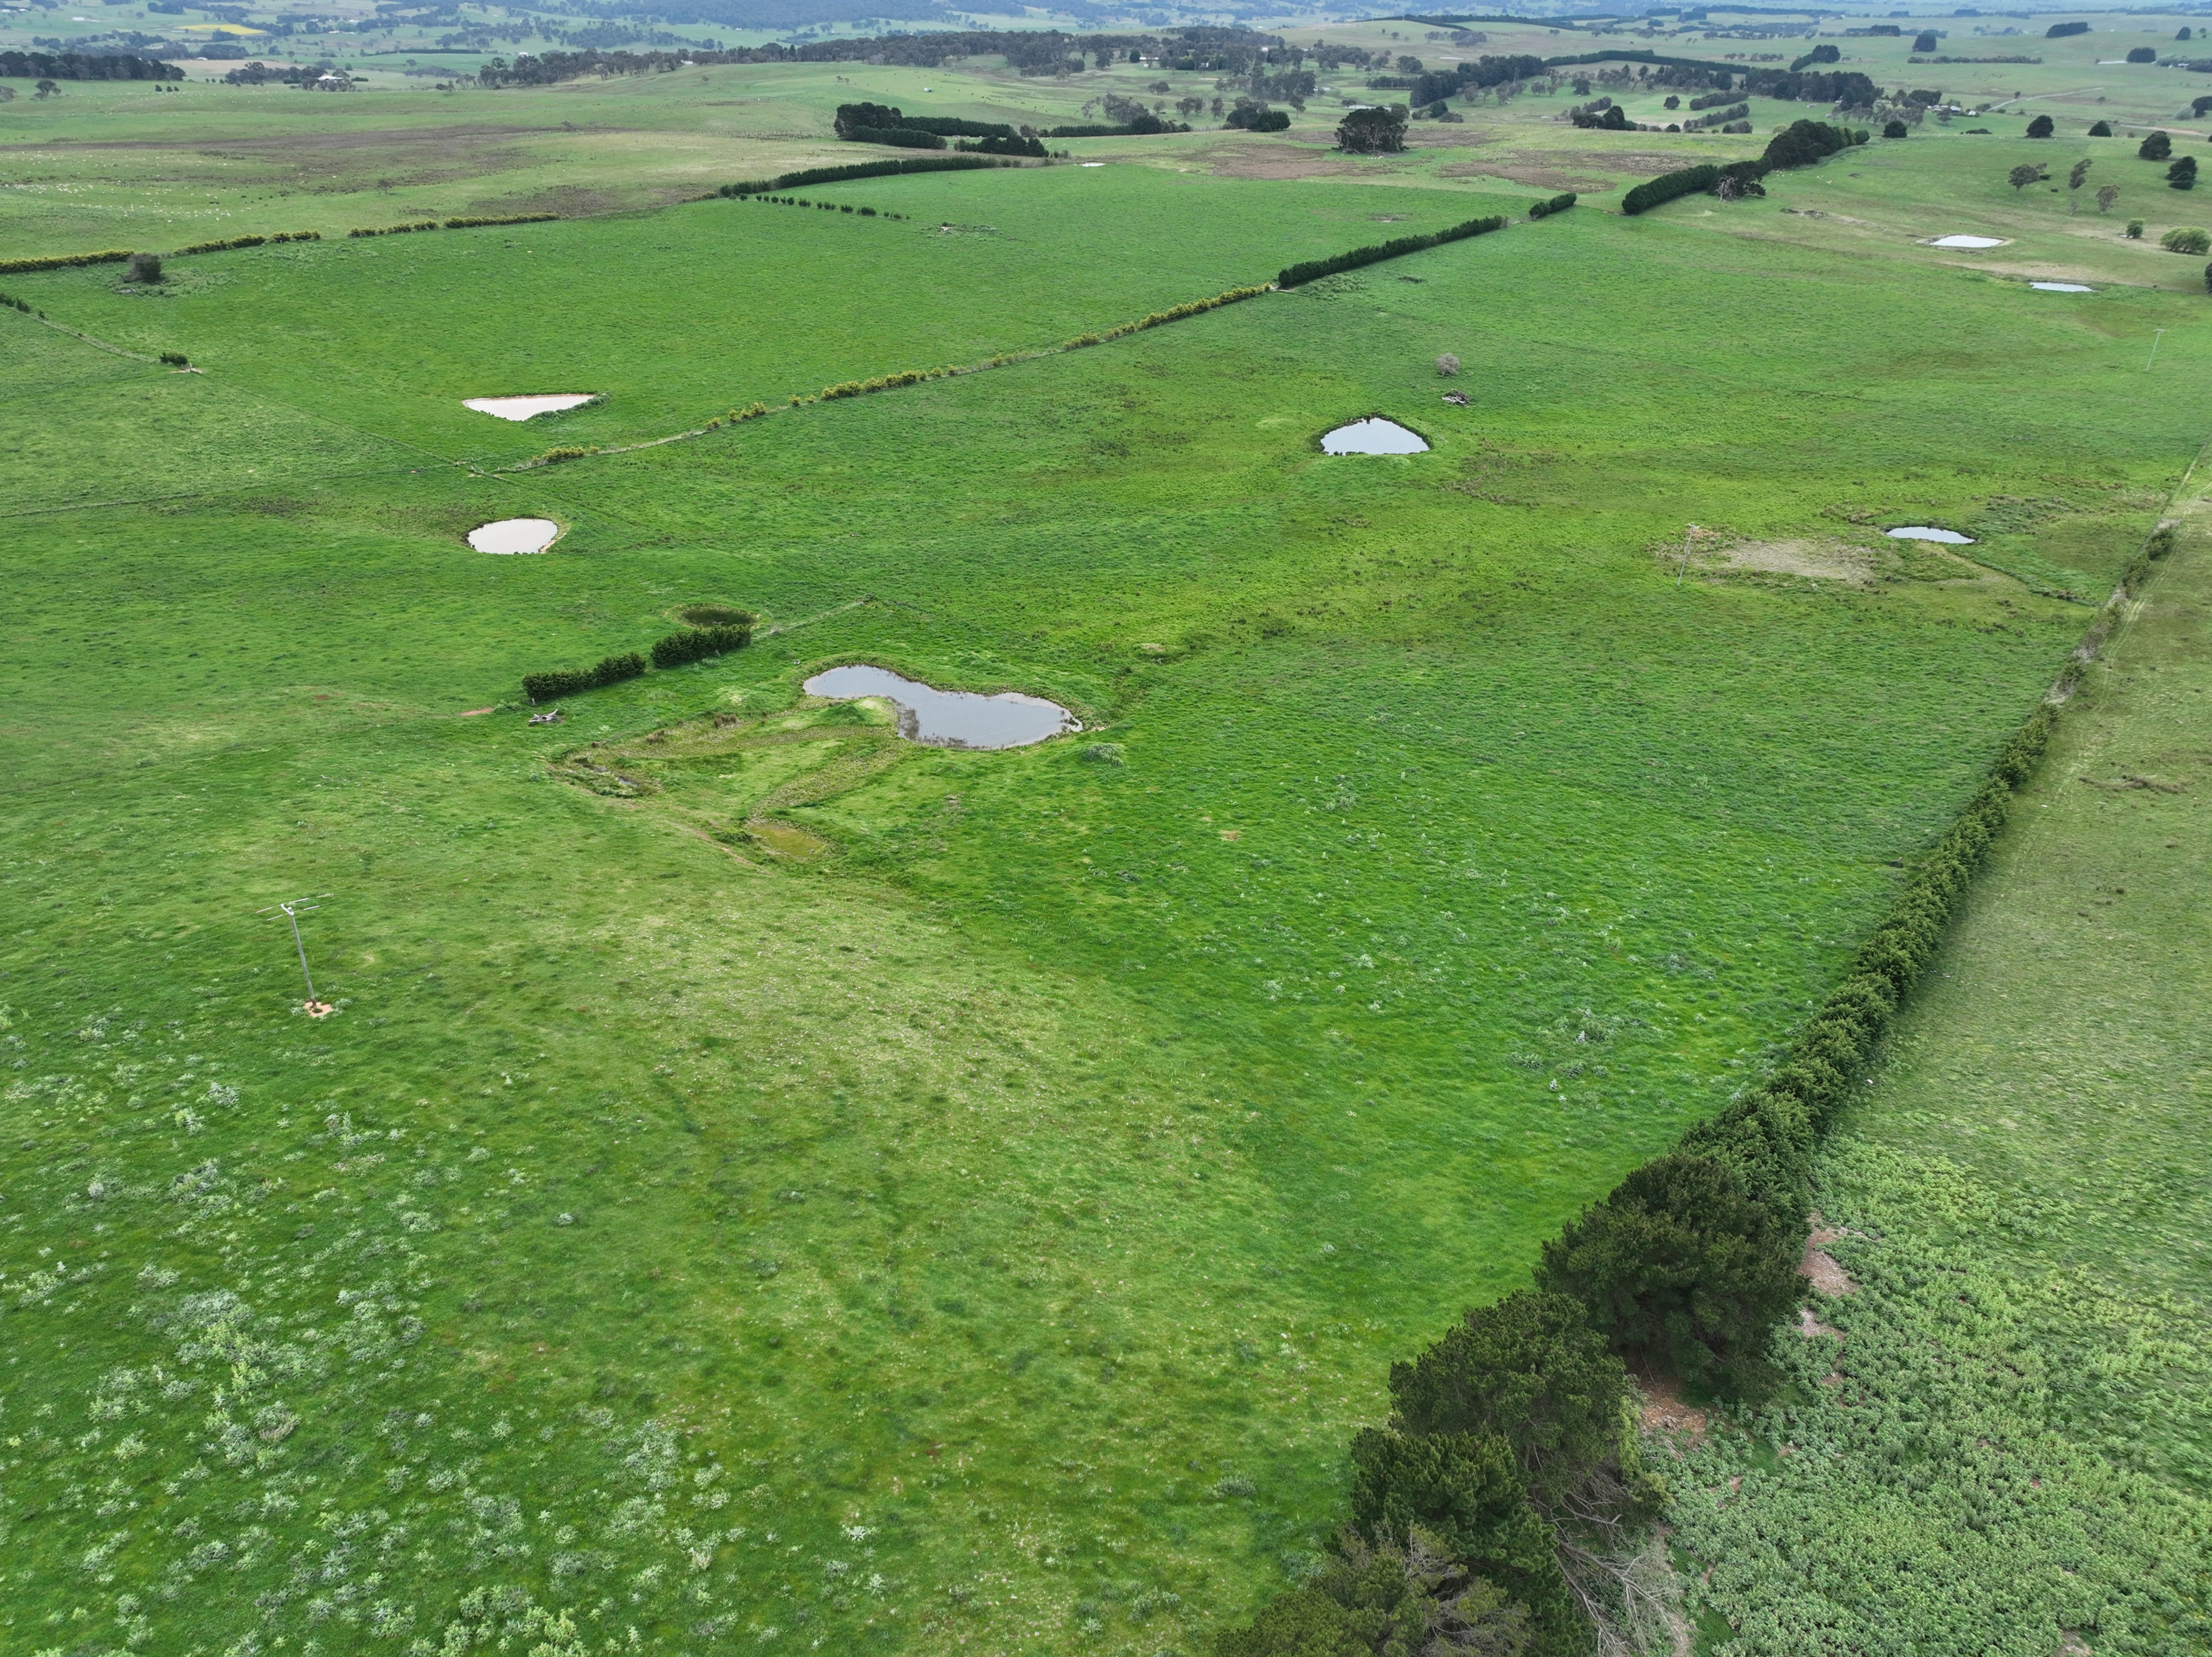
column 2023, row 175
column 14, row 304
column 2157, row 148
column 1102, row 753
column 1447, row 365
column 1560, row 203
column 1895, row 130
column 2101, row 129
column 696, row 644
column 718, row 615
column 144, row 268
column 2198, row 242
column 2041, row 127
column 2181, row 175
column 572, row 682
column 568, row 451
column 62, row 261
column 2142, row 54
column 175, row 360
column 1312, row 268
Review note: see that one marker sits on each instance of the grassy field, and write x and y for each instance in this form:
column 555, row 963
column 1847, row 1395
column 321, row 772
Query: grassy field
column 2005, row 1446
column 834, row 1192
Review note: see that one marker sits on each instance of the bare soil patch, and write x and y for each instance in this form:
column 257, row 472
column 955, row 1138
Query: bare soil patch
column 1540, row 168
column 1665, row 1411
column 1279, row 161
column 1828, row 1277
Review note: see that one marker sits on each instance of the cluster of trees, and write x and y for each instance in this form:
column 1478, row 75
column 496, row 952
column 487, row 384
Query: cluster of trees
column 1705, row 179
column 1040, row 52
column 1807, row 143
column 851, row 120
column 1312, row 269
column 1375, row 130
column 85, row 66
column 1498, row 1509
column 1250, row 117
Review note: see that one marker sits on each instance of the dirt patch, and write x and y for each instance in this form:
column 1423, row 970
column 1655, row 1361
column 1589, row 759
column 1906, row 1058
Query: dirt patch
column 1665, row 1412
column 1280, row 161
column 1822, row 1267
column 1822, row 558
column 1539, row 167
column 1812, row 1328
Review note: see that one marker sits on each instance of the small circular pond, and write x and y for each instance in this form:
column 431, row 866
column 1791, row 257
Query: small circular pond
column 949, row 718
column 526, row 408
column 512, row 535
column 1923, row 532
column 1373, row 435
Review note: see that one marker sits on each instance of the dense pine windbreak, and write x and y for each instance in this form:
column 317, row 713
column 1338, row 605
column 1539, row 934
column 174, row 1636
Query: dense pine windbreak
column 1295, row 275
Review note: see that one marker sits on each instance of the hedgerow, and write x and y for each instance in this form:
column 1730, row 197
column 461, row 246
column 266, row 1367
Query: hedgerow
column 696, row 644
column 63, row 261
column 813, row 175
column 571, row 682
column 899, row 137
column 398, row 229
column 1312, row 269
column 1685, row 1267
column 250, row 241
column 510, row 218
column 1560, row 203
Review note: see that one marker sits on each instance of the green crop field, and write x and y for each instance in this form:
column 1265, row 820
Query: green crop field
column 771, row 1186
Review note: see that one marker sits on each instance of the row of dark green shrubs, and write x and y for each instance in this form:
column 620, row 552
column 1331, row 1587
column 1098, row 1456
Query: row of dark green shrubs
column 694, row 644
column 1397, row 247
column 1492, row 1512
column 1560, row 203
column 813, row 175
column 826, row 207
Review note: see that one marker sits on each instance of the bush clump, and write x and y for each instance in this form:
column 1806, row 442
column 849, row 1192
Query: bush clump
column 1807, row 143
column 696, row 644
column 2197, row 242
column 225, row 246
column 1560, row 203
column 572, row 682
column 396, row 229
column 2157, row 147
column 144, row 268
